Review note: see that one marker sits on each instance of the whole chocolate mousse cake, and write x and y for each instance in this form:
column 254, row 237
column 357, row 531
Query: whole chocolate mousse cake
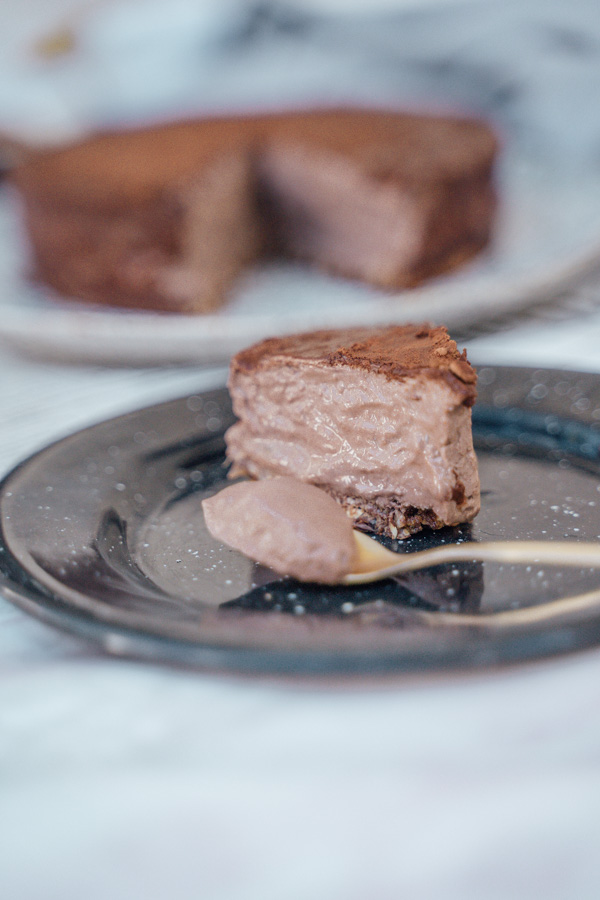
column 380, row 418
column 168, row 217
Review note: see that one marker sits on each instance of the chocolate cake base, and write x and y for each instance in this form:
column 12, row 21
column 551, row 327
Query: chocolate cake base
column 387, row 516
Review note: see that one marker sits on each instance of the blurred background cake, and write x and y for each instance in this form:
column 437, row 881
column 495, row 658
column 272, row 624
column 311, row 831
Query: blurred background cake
column 168, row 217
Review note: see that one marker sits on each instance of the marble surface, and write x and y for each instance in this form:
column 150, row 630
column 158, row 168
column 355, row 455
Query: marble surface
column 122, row 780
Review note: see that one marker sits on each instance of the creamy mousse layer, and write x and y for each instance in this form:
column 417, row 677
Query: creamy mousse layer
column 292, row 527
column 390, row 441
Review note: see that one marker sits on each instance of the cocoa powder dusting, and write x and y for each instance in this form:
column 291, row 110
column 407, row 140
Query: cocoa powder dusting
column 395, row 351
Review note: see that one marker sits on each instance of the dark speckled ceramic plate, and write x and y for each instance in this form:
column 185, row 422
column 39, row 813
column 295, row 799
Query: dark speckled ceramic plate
column 102, row 534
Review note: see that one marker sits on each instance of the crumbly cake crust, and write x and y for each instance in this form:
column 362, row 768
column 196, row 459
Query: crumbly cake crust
column 390, row 518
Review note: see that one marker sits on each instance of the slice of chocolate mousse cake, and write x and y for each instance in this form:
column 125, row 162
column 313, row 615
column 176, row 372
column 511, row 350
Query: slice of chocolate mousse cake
column 380, row 418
